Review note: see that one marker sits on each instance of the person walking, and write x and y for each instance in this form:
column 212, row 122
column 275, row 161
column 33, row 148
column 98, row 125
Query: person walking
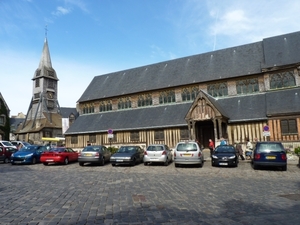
column 240, row 151
column 211, row 146
column 223, row 141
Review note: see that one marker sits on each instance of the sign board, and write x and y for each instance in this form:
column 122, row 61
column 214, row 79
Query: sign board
column 266, row 131
column 110, row 135
column 110, row 131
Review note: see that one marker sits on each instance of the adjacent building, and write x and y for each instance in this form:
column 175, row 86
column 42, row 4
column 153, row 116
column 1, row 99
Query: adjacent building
column 4, row 119
column 249, row 91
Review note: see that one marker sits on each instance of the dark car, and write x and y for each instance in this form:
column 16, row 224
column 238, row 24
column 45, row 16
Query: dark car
column 94, row 154
column 28, row 155
column 224, row 155
column 5, row 153
column 128, row 155
column 269, row 154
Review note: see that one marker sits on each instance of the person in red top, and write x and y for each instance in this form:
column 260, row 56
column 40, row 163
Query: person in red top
column 211, row 146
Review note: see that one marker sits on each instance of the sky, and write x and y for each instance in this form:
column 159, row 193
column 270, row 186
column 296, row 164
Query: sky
column 87, row 38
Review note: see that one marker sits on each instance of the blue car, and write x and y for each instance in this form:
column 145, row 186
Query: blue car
column 28, row 155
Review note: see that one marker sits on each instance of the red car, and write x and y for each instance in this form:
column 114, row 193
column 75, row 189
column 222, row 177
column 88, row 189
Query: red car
column 5, row 153
column 61, row 155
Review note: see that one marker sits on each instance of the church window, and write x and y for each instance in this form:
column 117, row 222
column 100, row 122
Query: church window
column 50, row 73
column 144, row 100
column 50, row 83
column 37, row 82
column 2, row 120
column 92, row 138
column 218, row 89
column 47, row 133
column 247, row 86
column 74, row 139
column 105, row 106
column 124, row 103
column 167, row 97
column 71, row 119
column 38, row 72
column 159, row 135
column 37, row 95
column 134, row 135
column 189, row 94
column 288, row 127
column 184, row 133
column 282, row 80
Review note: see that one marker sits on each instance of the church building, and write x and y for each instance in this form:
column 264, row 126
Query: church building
column 248, row 91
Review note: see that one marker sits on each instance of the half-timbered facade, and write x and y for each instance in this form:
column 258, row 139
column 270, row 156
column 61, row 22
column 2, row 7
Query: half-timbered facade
column 232, row 93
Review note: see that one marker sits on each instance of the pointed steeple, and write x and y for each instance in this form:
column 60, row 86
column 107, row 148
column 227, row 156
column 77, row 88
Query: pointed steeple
column 45, row 58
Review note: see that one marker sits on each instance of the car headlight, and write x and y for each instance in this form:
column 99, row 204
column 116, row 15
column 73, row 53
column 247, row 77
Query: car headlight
column 215, row 157
column 231, row 157
column 127, row 157
column 112, row 158
column 12, row 155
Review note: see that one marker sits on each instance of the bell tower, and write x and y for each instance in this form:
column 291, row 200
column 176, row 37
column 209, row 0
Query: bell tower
column 43, row 118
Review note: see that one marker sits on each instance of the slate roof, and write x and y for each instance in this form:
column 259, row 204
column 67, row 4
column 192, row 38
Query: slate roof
column 142, row 118
column 66, row 112
column 222, row 64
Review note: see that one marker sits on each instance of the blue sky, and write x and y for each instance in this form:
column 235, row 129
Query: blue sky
column 93, row 37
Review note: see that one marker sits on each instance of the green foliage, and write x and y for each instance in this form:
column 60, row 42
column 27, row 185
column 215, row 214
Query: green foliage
column 297, row 150
column 112, row 149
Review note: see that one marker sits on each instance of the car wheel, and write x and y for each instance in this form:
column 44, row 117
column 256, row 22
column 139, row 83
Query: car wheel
column 145, row 164
column 5, row 160
column 45, row 164
column 133, row 162
column 176, row 165
column 255, row 166
column 166, row 163
column 81, row 164
column 200, row 165
column 102, row 161
column 113, row 164
column 33, row 161
column 66, row 161
column 284, row 168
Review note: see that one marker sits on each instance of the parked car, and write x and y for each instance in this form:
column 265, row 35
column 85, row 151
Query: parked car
column 158, row 154
column 7, row 144
column 188, row 153
column 5, row 153
column 27, row 155
column 225, row 155
column 60, row 155
column 268, row 153
column 128, row 155
column 94, row 154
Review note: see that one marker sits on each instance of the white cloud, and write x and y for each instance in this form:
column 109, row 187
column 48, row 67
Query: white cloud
column 61, row 11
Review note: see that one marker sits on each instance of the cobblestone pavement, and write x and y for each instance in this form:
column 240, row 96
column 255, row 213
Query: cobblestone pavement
column 155, row 194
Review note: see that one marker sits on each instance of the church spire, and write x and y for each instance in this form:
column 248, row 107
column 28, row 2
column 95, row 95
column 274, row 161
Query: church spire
column 45, row 58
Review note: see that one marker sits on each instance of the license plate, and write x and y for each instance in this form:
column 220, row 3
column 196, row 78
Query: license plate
column 186, row 154
column 223, row 164
column 17, row 162
column 270, row 157
column 88, row 154
column 49, row 160
column 119, row 160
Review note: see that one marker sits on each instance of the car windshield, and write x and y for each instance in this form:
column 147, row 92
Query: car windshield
column 225, row 149
column 269, row 148
column 7, row 143
column 155, row 148
column 30, row 148
column 127, row 149
column 57, row 149
column 91, row 149
column 187, row 147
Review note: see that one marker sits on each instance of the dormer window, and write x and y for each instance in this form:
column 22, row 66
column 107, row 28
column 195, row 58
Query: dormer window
column 50, row 73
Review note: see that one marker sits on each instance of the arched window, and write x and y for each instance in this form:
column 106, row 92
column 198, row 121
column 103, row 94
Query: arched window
column 282, row 80
column 167, row 97
column 218, row 90
column 144, row 100
column 247, row 86
column 124, row 103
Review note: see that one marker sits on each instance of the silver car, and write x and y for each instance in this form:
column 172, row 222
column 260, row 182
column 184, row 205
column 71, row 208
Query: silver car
column 158, row 154
column 94, row 154
column 188, row 152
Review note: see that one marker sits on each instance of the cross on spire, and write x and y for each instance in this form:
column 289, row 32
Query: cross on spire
column 46, row 31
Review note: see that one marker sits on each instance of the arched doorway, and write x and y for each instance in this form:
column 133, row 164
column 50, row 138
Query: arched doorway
column 204, row 130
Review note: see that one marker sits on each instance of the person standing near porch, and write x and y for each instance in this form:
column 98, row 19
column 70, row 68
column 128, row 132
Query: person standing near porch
column 211, row 146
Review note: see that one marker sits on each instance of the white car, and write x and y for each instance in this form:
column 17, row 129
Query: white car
column 188, row 153
column 7, row 144
column 158, row 154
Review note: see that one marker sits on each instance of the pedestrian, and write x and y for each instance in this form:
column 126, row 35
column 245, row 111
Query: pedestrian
column 223, row 141
column 249, row 146
column 240, row 151
column 211, row 146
